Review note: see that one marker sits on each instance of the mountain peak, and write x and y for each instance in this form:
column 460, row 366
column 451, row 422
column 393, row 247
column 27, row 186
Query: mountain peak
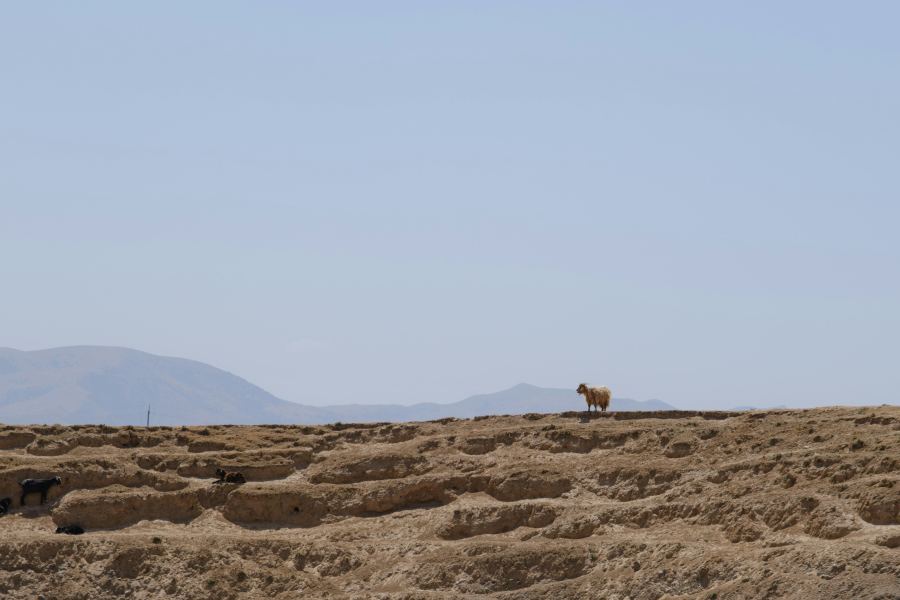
column 113, row 385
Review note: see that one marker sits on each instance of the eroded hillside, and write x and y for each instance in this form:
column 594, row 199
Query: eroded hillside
column 783, row 504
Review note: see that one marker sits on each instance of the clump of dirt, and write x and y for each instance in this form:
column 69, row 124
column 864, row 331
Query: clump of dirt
column 11, row 440
column 370, row 468
column 766, row 504
column 481, row 520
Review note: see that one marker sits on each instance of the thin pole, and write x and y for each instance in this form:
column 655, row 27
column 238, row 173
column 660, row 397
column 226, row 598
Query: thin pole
column 148, row 415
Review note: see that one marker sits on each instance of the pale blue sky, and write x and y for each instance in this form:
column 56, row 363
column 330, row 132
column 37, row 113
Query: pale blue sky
column 402, row 202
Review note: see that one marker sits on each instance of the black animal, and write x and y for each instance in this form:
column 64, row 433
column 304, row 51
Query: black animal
column 4, row 505
column 30, row 486
column 70, row 529
column 229, row 477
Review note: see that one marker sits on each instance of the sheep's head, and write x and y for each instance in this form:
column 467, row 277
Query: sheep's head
column 582, row 389
column 57, row 480
column 220, row 473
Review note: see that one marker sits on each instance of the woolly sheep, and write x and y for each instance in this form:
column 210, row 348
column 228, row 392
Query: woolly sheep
column 598, row 397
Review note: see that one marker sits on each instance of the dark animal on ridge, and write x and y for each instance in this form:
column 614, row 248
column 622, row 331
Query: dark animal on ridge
column 229, row 477
column 30, row 486
column 70, row 529
column 4, row 505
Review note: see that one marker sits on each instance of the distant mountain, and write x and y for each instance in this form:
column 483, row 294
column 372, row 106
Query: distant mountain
column 98, row 384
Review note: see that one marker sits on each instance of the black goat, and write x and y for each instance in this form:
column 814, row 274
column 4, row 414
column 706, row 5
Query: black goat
column 4, row 505
column 30, row 486
column 70, row 529
column 229, row 477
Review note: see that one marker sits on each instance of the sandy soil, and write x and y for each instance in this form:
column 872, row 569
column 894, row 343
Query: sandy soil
column 778, row 504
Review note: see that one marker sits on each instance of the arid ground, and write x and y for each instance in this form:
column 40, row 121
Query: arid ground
column 766, row 504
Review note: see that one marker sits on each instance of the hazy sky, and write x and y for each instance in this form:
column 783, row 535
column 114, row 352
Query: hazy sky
column 399, row 202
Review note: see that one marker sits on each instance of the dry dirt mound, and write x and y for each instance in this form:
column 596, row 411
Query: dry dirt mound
column 646, row 506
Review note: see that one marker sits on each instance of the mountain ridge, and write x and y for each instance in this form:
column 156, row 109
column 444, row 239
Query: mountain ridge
column 114, row 385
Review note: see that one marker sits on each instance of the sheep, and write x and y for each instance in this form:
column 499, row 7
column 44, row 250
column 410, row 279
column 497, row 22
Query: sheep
column 229, row 477
column 4, row 505
column 598, row 397
column 30, row 486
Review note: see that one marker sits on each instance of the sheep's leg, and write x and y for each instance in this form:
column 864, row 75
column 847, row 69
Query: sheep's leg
column 43, row 496
column 23, row 498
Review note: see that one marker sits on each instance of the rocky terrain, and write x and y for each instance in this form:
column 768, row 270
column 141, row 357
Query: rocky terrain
column 646, row 506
